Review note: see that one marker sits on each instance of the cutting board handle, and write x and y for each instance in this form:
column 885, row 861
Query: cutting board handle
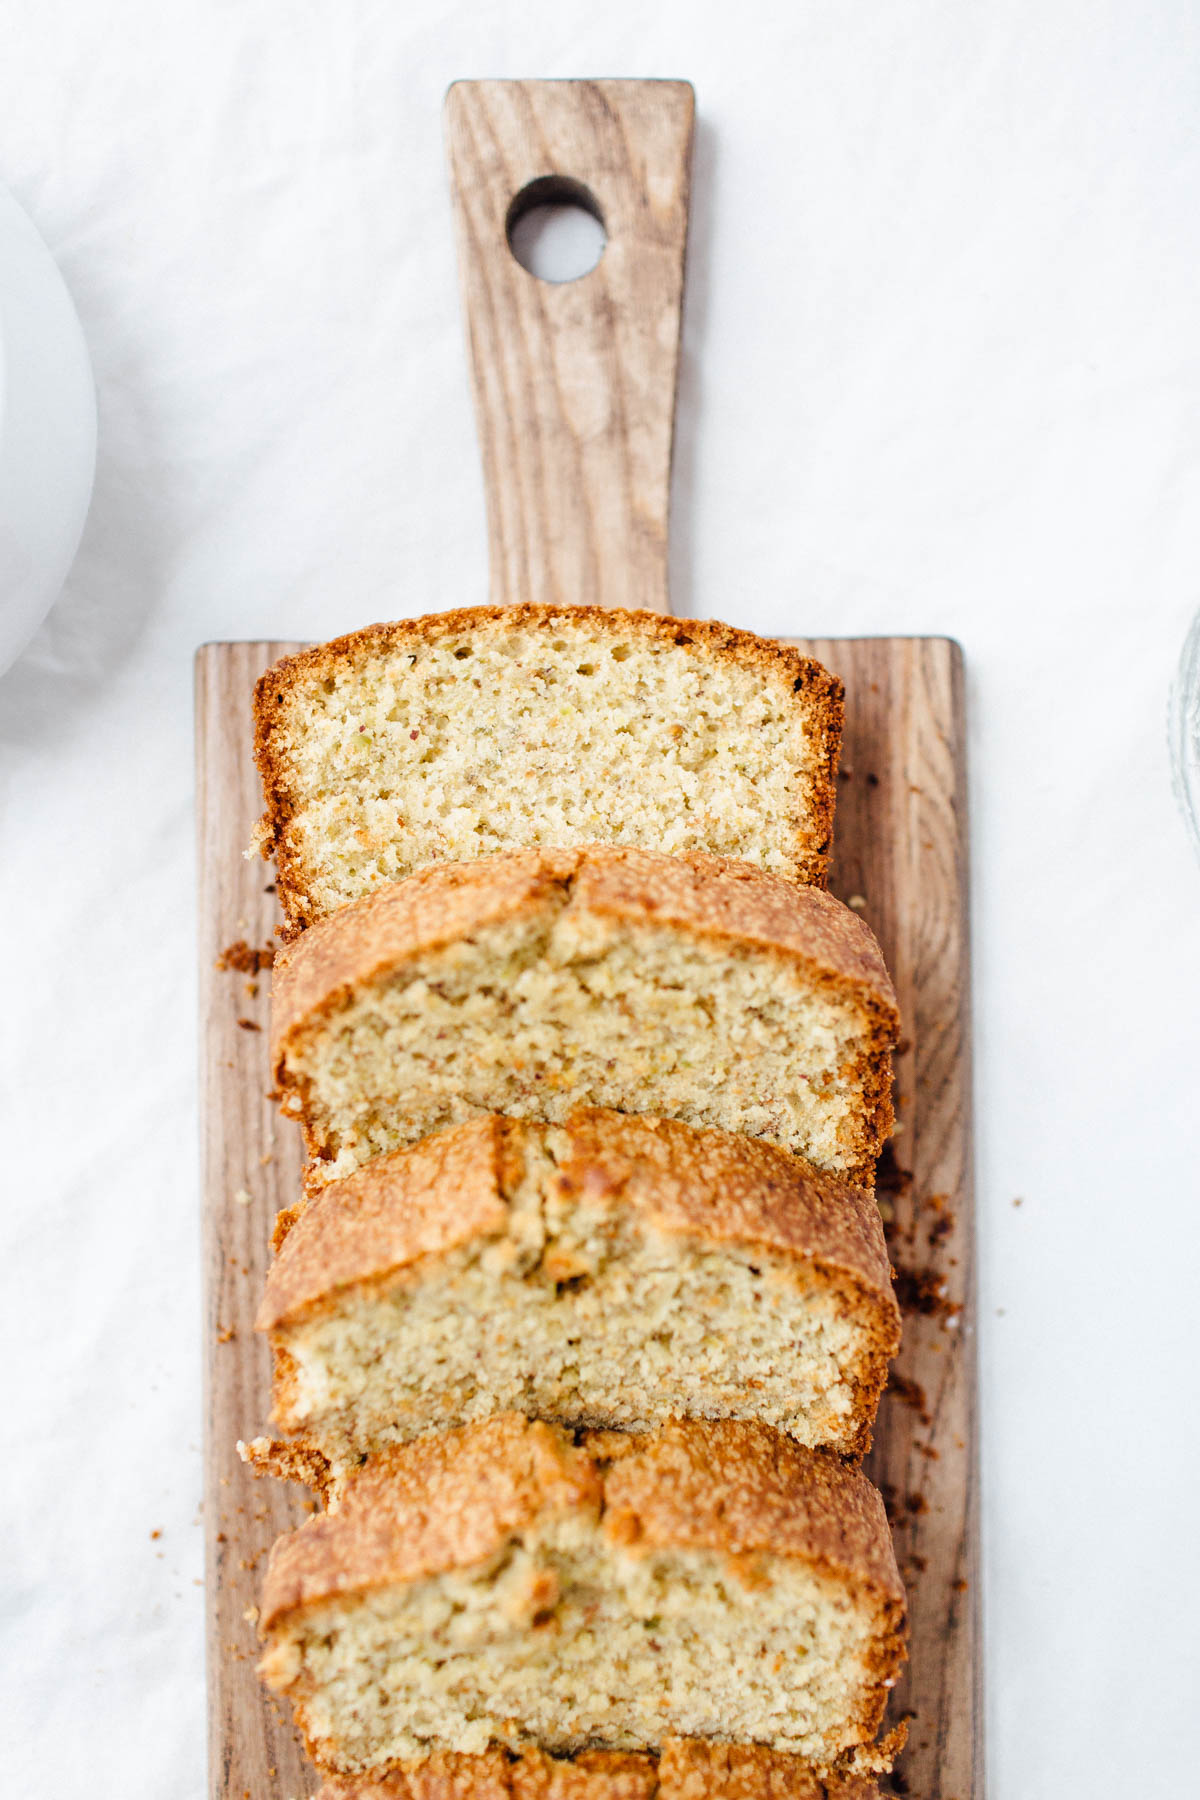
column 574, row 381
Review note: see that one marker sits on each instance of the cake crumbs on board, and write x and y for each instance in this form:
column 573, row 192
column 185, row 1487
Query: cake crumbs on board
column 911, row 1393
column 245, row 959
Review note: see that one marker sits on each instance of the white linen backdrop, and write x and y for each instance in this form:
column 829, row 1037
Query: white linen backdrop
column 941, row 374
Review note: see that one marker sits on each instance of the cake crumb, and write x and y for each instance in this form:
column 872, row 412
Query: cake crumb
column 890, row 1178
column 924, row 1291
column 943, row 1224
column 245, row 958
column 911, row 1393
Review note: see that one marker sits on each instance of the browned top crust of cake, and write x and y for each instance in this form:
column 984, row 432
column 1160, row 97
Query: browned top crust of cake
column 695, row 1769
column 769, row 655
column 818, row 691
column 430, row 1197
column 438, row 1503
column 728, row 1187
column 449, row 1188
column 439, row 905
column 495, row 1775
column 742, row 1490
column 709, row 897
column 687, row 1769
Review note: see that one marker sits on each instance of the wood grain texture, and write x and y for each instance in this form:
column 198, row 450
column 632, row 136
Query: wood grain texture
column 575, row 381
column 251, row 1161
column 900, row 853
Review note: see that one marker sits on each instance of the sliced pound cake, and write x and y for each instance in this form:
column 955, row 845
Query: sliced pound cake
column 534, row 982
column 612, row 1271
column 687, row 1769
column 466, row 733
column 498, row 1586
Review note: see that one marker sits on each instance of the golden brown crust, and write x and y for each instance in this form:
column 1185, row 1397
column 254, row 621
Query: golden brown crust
column 729, row 902
column 708, row 1187
column 817, row 693
column 427, row 1199
column 285, row 1461
column 733, row 903
column 705, row 897
column 496, row 1775
column 687, row 1769
column 710, row 897
column 714, row 1185
column 436, row 1504
column 692, row 1769
column 741, row 1490
column 746, row 1491
column 439, row 905
column 729, row 1188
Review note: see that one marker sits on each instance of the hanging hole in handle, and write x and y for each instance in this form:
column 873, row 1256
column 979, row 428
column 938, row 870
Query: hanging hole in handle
column 555, row 229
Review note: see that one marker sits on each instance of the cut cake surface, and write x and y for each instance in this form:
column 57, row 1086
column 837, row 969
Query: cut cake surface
column 686, row 1769
column 611, row 1271
column 466, row 733
column 498, row 1586
column 537, row 981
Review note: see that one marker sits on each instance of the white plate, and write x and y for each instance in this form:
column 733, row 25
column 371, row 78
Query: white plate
column 1184, row 729
column 47, row 431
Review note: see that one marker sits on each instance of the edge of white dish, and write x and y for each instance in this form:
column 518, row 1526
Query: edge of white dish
column 47, row 430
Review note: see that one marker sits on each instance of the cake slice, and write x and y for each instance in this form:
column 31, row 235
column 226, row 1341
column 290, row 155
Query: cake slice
column 687, row 1769
column 465, row 733
column 498, row 1586
column 612, row 1271
column 537, row 981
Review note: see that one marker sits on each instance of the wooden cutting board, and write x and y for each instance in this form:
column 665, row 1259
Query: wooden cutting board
column 574, row 395
column 900, row 854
